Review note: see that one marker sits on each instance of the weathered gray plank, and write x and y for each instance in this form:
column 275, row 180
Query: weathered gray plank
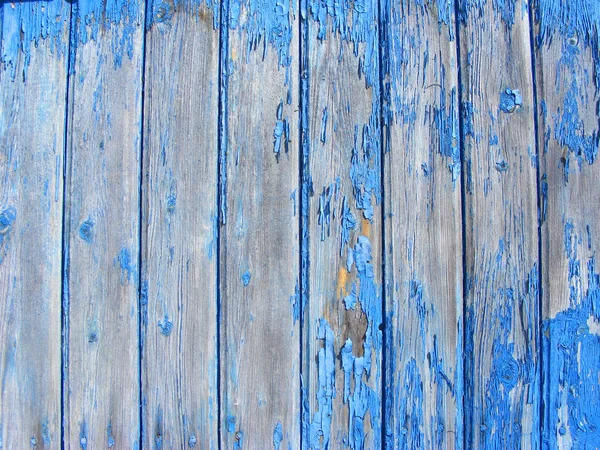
column 342, row 340
column 501, row 320
column 102, row 379
column 260, row 339
column 424, row 273
column 33, row 76
column 179, row 367
column 568, row 83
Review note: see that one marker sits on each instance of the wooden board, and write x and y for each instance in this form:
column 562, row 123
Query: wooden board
column 33, row 75
column 568, row 83
column 342, row 344
column 102, row 379
column 179, row 241
column 423, row 232
column 260, row 341
column 502, row 264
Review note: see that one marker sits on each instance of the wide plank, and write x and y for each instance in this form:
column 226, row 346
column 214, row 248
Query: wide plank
column 568, row 91
column 259, row 258
column 502, row 262
column 101, row 382
column 423, row 228
column 342, row 344
column 179, row 240
column 33, row 80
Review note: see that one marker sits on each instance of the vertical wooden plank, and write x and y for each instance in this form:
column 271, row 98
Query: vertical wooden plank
column 424, row 273
column 342, row 339
column 501, row 321
column 568, row 92
column 259, row 245
column 102, row 380
column 179, row 367
column 33, row 76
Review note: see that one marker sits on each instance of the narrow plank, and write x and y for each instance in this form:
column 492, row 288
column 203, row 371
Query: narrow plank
column 502, row 263
column 260, row 342
column 568, row 92
column 342, row 339
column 423, row 229
column 33, row 76
column 102, row 379
column 179, row 367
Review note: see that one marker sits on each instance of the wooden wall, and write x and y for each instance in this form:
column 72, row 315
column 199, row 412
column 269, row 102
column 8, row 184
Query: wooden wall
column 310, row 224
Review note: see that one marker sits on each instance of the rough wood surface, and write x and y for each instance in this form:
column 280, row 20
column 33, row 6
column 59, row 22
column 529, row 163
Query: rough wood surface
column 423, row 231
column 568, row 83
column 102, row 379
column 260, row 341
column 500, row 163
column 342, row 339
column 32, row 127
column 179, row 370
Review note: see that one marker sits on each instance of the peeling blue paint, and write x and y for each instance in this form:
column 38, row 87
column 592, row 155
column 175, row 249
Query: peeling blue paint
column 320, row 427
column 571, row 341
column 25, row 25
column 281, row 133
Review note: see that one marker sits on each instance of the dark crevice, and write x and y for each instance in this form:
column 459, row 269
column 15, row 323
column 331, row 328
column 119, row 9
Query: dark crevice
column 382, row 141
column 539, row 308
column 463, row 212
column 304, row 179
column 64, row 285
column 142, row 295
column 221, row 189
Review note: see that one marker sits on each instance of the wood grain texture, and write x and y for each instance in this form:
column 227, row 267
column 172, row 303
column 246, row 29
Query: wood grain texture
column 180, row 399
column 568, row 83
column 33, row 76
column 343, row 314
column 260, row 342
column 423, row 228
column 500, row 164
column 102, row 379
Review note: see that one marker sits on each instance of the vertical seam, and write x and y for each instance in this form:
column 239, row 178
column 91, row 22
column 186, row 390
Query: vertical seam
column 463, row 209
column 65, row 227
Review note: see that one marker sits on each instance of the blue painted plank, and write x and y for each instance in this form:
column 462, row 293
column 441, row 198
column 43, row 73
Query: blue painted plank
column 102, row 241
column 423, row 229
column 179, row 227
column 259, row 258
column 502, row 336
column 342, row 227
column 33, row 80
column 568, row 90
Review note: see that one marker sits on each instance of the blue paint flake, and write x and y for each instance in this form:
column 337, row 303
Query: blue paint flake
column 7, row 218
column 277, row 436
column 246, row 276
column 281, row 133
column 86, row 231
column 324, row 126
column 126, row 265
column 510, row 99
column 166, row 326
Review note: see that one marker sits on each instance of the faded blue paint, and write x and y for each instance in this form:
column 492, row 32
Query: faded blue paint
column 7, row 217
column 127, row 265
